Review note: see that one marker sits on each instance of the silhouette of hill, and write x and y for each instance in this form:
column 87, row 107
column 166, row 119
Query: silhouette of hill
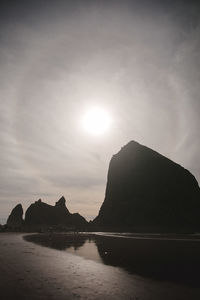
column 15, row 219
column 42, row 214
column 148, row 192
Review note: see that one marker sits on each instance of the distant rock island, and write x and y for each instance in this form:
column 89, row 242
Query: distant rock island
column 41, row 215
column 147, row 192
column 15, row 219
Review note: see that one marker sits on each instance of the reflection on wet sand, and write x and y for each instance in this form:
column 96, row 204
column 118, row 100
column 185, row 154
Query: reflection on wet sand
column 171, row 260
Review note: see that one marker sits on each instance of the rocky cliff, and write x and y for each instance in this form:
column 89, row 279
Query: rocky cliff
column 40, row 213
column 148, row 192
column 15, row 218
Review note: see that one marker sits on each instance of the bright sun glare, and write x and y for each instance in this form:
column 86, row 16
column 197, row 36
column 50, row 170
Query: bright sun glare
column 96, row 121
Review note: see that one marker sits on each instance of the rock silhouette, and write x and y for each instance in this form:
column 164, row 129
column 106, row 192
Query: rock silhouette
column 148, row 192
column 42, row 216
column 15, row 218
column 40, row 213
column 145, row 192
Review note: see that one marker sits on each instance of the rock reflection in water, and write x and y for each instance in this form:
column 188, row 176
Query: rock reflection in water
column 161, row 259
column 172, row 260
column 58, row 241
column 79, row 244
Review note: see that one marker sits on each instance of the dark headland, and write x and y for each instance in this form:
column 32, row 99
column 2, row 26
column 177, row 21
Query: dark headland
column 145, row 192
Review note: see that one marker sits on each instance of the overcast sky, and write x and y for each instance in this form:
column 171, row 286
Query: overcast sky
column 138, row 60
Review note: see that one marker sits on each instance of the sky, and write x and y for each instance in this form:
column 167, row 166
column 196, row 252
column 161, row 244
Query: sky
column 137, row 60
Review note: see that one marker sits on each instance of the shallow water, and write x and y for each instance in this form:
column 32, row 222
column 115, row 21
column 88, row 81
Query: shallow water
column 29, row 271
column 168, row 259
column 87, row 250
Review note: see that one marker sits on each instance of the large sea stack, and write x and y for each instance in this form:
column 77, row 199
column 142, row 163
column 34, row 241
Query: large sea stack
column 42, row 214
column 147, row 192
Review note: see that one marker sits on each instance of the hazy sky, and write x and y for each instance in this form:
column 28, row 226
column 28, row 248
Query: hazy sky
column 138, row 60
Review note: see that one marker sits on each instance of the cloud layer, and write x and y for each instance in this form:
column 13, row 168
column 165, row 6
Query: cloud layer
column 140, row 62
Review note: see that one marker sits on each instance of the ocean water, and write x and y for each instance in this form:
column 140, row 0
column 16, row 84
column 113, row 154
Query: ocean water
column 47, row 270
column 174, row 259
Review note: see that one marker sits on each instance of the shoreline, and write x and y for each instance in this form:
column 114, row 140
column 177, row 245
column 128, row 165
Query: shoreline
column 144, row 256
column 29, row 271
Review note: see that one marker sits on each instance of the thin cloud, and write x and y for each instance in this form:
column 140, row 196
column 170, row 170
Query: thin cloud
column 139, row 61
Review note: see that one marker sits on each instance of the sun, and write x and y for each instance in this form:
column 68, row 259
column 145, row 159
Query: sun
column 96, row 121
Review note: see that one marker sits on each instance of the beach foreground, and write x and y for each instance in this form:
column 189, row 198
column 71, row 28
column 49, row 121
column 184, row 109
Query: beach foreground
column 30, row 271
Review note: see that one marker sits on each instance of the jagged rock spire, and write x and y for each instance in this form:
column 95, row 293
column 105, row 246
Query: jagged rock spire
column 15, row 218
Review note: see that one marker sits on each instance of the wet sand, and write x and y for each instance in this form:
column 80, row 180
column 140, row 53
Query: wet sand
column 31, row 271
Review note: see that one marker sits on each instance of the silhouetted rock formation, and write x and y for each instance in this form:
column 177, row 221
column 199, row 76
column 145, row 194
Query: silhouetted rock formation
column 148, row 192
column 41, row 213
column 15, row 218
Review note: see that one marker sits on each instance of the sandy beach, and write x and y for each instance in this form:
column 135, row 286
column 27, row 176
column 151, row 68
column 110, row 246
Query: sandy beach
column 30, row 271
